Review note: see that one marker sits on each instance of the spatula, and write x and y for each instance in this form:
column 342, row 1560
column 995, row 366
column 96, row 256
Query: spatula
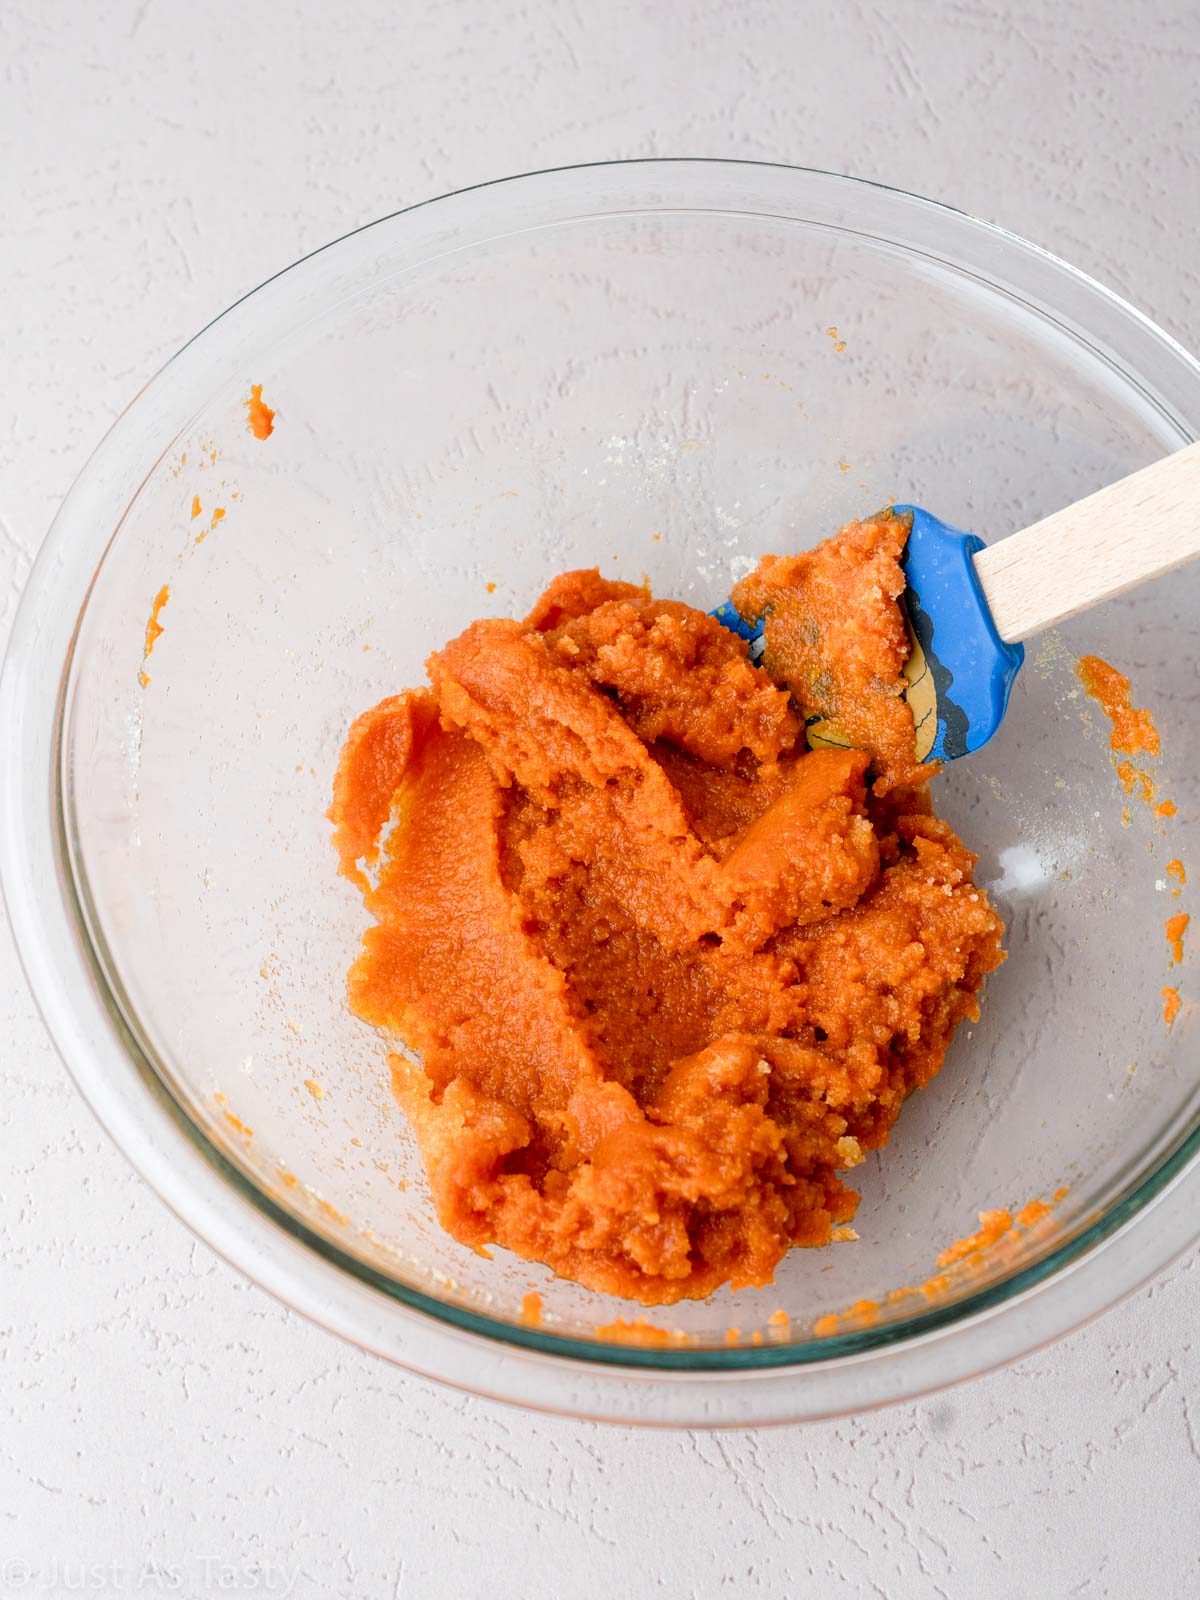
column 970, row 605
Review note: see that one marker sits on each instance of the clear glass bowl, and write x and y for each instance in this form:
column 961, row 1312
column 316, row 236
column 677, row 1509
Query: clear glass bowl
column 662, row 368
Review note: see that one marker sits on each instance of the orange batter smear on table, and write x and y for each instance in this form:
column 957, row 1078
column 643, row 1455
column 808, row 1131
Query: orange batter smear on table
column 667, row 972
column 260, row 419
column 1175, row 869
column 1171, row 1004
column 1176, row 927
column 1133, row 730
column 154, row 630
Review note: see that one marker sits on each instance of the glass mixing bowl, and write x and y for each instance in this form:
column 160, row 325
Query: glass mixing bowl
column 661, row 368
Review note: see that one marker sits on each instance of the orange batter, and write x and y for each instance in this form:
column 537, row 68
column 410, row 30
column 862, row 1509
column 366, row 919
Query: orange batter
column 1133, row 729
column 836, row 636
column 667, row 973
column 154, row 630
column 260, row 419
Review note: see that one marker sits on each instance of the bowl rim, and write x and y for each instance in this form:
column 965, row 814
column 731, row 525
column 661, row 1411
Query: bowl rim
column 222, row 1204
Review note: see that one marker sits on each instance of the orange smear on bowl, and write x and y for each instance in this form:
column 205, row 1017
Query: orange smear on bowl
column 260, row 419
column 862, row 1314
column 1133, row 777
column 993, row 1225
column 531, row 1310
column 960, row 1261
column 639, row 1331
column 153, row 630
column 217, row 516
column 1133, row 729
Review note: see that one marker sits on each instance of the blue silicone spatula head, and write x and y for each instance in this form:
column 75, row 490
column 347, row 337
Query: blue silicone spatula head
column 960, row 672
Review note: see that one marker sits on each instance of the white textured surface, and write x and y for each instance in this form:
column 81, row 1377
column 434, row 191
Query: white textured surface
column 157, row 159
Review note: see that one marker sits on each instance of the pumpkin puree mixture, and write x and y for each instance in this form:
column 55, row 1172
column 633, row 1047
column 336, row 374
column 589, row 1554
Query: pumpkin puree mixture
column 668, row 973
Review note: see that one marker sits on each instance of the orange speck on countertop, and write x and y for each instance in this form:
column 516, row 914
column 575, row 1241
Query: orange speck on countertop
column 154, row 629
column 531, row 1310
column 260, row 418
column 1166, row 808
column 839, row 344
column 1176, row 927
column 491, row 588
column 1171, row 1004
column 314, row 1088
column 1175, row 870
column 1133, row 729
column 195, row 506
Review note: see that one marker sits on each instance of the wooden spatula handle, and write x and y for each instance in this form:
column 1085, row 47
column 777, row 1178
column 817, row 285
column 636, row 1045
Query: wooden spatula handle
column 1137, row 528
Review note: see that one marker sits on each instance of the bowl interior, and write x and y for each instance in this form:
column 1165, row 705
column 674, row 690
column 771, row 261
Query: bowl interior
column 667, row 391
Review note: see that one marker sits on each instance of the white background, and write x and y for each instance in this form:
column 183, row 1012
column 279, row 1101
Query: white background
column 158, row 159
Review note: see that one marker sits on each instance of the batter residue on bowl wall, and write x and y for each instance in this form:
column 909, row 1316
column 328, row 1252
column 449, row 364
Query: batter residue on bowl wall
column 667, row 972
column 260, row 419
column 154, row 630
